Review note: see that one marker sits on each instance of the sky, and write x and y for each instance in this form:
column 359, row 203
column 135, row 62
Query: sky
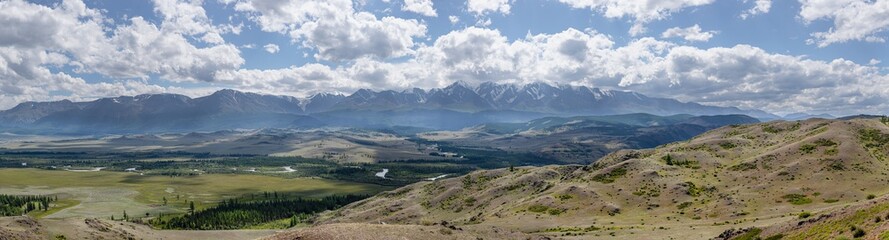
column 815, row 56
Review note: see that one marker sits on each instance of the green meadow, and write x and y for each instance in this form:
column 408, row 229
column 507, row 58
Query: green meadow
column 105, row 194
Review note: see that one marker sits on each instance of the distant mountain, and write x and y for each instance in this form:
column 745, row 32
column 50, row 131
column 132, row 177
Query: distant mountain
column 225, row 109
column 453, row 107
column 29, row 112
column 550, row 124
column 862, row 116
column 536, row 97
column 804, row 116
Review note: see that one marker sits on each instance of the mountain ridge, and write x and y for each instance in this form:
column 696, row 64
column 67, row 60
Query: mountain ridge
column 465, row 104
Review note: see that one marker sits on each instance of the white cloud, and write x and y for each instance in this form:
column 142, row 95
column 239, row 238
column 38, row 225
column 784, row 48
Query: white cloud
column 692, row 33
column 423, row 7
column 271, row 48
column 873, row 61
column 295, row 81
column 760, row 7
column 641, row 11
column 746, row 76
column 482, row 7
column 742, row 75
column 39, row 38
column 453, row 19
column 334, row 28
column 853, row 20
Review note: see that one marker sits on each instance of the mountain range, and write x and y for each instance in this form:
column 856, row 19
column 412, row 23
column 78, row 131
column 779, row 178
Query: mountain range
column 456, row 106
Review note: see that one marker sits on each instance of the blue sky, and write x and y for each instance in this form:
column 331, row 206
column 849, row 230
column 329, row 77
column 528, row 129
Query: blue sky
column 779, row 31
column 815, row 56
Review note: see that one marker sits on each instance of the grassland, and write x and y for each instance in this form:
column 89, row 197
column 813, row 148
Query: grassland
column 736, row 177
column 102, row 194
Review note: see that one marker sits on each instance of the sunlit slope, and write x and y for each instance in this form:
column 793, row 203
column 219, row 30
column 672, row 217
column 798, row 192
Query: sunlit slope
column 731, row 175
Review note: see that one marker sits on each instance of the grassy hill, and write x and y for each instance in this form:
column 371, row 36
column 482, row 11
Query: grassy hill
column 865, row 220
column 732, row 177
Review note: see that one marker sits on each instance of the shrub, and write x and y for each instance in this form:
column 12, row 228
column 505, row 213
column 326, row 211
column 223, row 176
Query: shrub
column 727, row 145
column 771, row 129
column 807, row 148
column 797, row 199
column 825, row 142
column 564, row 197
column 873, row 137
column 538, row 208
column 610, row 177
column 871, row 196
column 668, row 159
column 684, row 205
column 743, row 167
column 469, row 201
column 803, row 215
column 858, row 233
column 750, row 235
column 693, row 190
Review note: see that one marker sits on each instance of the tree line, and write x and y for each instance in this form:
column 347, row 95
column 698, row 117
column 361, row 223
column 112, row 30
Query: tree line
column 12, row 205
column 239, row 214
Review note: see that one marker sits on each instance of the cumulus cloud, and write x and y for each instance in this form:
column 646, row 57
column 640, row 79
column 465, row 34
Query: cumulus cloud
column 303, row 80
column 760, row 7
column 693, row 34
column 641, row 12
column 423, row 7
column 187, row 18
column 482, row 7
column 743, row 75
column 853, row 20
column 271, row 48
column 334, row 28
column 185, row 45
column 38, row 38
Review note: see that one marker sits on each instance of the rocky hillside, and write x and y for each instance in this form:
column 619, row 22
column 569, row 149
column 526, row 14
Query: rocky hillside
column 732, row 177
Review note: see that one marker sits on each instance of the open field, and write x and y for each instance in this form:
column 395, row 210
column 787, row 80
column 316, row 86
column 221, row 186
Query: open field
column 102, row 194
column 341, row 146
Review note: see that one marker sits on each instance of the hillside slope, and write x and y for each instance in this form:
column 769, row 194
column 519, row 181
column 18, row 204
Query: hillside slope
column 583, row 140
column 730, row 177
column 866, row 220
